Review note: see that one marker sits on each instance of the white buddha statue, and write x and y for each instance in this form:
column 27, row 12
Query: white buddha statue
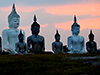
column 10, row 36
column 75, row 42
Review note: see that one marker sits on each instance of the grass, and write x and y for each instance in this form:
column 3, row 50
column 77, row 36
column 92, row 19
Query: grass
column 48, row 64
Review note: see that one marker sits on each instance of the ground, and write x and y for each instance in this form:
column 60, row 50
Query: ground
column 50, row 64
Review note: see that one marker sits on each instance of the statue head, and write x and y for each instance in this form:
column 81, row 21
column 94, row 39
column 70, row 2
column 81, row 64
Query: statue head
column 21, row 36
column 75, row 28
column 91, row 36
column 13, row 18
column 35, row 27
column 57, row 36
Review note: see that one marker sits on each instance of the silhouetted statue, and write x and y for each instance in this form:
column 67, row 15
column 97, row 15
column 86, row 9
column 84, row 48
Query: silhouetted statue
column 21, row 46
column 36, row 43
column 57, row 46
column 0, row 45
column 91, row 45
column 10, row 36
column 65, row 49
column 75, row 42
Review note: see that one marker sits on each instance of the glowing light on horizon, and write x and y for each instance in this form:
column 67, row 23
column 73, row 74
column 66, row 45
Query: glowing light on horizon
column 84, row 24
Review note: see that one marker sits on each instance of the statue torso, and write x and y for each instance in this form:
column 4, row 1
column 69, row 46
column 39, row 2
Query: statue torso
column 12, row 36
column 21, row 47
column 37, row 42
column 76, row 42
column 91, row 46
column 57, row 47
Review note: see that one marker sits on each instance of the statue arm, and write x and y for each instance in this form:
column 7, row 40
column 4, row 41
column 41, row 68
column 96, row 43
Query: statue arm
column 5, row 39
column 95, row 46
column 87, row 46
column 62, row 47
column 0, row 44
column 16, row 47
column 69, row 43
column 53, row 47
column 43, row 45
column 28, row 43
column 24, row 35
column 83, row 42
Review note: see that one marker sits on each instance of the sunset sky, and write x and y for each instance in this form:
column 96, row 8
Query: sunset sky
column 52, row 15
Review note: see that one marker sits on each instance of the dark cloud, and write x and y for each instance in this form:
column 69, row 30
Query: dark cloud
column 46, row 18
column 5, row 3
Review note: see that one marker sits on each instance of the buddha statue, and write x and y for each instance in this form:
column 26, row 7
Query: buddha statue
column 57, row 46
column 21, row 46
column 0, row 45
column 75, row 42
column 10, row 36
column 91, row 45
column 36, row 42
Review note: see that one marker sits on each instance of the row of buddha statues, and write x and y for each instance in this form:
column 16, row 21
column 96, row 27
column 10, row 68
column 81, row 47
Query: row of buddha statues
column 13, row 39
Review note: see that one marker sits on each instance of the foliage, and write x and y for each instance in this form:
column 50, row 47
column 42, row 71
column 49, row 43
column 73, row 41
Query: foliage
column 48, row 64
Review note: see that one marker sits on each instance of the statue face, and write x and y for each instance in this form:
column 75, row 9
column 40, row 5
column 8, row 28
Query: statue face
column 14, row 23
column 21, row 38
column 91, row 38
column 57, row 38
column 35, row 30
column 76, row 30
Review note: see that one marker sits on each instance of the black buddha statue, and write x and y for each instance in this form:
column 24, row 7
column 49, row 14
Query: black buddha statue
column 91, row 45
column 0, row 45
column 21, row 46
column 36, row 42
column 57, row 46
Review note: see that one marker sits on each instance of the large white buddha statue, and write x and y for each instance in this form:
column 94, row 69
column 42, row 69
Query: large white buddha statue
column 10, row 36
column 75, row 42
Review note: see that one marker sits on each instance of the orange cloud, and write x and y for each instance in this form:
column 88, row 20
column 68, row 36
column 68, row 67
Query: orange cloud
column 67, row 9
column 74, row 9
column 86, row 23
column 44, row 25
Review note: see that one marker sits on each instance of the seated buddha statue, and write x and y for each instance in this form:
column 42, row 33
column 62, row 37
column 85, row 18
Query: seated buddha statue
column 91, row 45
column 57, row 46
column 21, row 46
column 35, row 42
column 75, row 42
column 10, row 36
column 1, row 45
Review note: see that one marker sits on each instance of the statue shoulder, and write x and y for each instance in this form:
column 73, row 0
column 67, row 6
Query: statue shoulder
column 87, row 42
column 82, row 37
column 5, row 31
column 53, row 43
column 69, row 38
column 29, row 37
column 41, row 37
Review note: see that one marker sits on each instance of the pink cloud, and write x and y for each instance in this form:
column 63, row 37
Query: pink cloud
column 74, row 9
column 86, row 23
column 44, row 25
column 67, row 9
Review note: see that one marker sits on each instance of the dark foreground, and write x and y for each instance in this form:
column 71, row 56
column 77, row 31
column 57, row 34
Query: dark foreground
column 49, row 64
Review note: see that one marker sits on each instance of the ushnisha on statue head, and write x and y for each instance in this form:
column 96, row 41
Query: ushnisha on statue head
column 21, row 36
column 57, row 36
column 91, row 36
column 75, row 28
column 13, row 18
column 35, row 27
